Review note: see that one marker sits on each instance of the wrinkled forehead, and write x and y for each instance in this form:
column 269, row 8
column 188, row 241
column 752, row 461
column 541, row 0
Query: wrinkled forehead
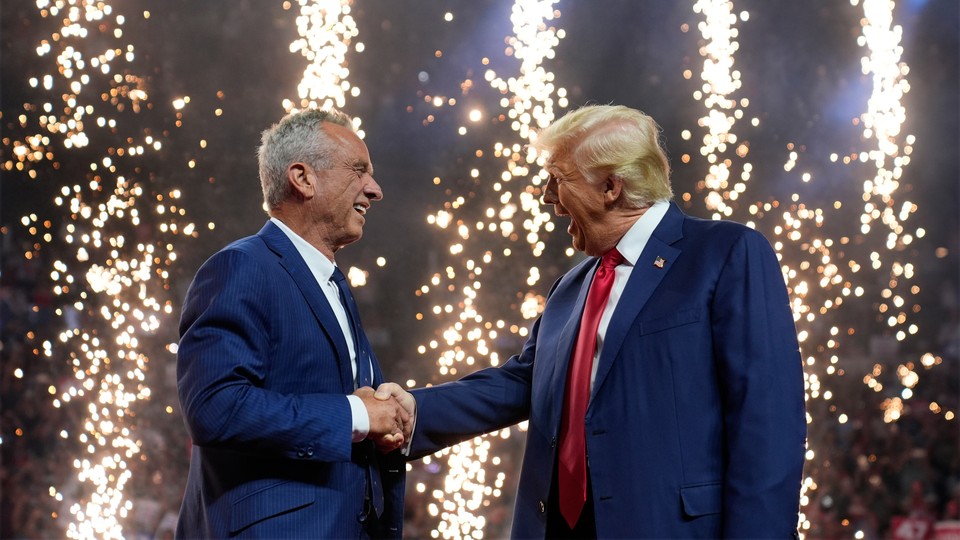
column 561, row 162
column 341, row 135
column 346, row 139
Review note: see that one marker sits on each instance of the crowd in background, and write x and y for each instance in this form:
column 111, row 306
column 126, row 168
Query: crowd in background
column 39, row 440
column 894, row 479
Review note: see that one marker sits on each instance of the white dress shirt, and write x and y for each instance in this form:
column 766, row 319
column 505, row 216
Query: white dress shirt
column 322, row 269
column 630, row 246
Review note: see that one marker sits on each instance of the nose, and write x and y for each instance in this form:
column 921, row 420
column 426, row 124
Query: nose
column 372, row 189
column 550, row 192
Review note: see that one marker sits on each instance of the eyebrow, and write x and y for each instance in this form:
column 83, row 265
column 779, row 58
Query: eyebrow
column 556, row 171
column 362, row 164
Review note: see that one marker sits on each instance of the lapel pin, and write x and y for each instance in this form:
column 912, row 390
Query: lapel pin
column 659, row 262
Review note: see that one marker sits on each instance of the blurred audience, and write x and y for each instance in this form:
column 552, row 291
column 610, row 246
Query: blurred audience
column 39, row 440
column 896, row 479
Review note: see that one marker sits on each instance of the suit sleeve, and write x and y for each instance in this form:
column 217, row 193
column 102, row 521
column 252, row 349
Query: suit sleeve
column 762, row 387
column 223, row 359
column 483, row 401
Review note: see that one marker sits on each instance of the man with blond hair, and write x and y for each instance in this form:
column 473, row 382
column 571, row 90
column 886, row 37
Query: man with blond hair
column 662, row 382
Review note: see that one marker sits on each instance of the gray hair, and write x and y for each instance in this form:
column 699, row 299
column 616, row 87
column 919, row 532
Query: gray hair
column 298, row 136
column 606, row 140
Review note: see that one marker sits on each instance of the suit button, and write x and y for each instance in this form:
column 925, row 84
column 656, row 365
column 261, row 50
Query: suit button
column 553, row 442
column 543, row 507
column 309, row 450
column 300, row 452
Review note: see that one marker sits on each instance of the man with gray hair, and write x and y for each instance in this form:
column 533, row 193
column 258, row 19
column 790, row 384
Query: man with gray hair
column 275, row 375
column 662, row 382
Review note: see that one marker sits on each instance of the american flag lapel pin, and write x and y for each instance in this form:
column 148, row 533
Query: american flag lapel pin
column 659, row 262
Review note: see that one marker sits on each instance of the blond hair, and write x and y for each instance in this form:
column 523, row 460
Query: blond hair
column 606, row 140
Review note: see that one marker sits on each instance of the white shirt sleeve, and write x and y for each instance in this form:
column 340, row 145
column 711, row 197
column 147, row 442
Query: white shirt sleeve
column 405, row 449
column 361, row 420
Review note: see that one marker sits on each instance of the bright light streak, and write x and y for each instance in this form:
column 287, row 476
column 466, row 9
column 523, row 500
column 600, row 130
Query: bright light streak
column 509, row 218
column 720, row 82
column 326, row 30
column 109, row 288
column 823, row 273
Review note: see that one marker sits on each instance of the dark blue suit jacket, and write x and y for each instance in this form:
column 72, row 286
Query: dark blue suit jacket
column 263, row 372
column 696, row 424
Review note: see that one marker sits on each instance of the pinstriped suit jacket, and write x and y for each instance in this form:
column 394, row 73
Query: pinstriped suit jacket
column 262, row 372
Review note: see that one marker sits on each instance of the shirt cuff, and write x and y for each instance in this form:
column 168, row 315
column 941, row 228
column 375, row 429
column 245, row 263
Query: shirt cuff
column 361, row 420
column 405, row 449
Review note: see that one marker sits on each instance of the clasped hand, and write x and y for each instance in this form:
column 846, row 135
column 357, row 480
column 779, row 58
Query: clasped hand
column 392, row 411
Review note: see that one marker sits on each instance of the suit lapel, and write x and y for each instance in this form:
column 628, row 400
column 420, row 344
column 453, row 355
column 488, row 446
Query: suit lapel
column 654, row 262
column 377, row 374
column 293, row 263
column 565, row 340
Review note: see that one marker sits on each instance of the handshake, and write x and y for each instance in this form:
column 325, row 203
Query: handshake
column 392, row 411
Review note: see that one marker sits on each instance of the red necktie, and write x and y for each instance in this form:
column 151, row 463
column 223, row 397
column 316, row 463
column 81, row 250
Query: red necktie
column 573, row 459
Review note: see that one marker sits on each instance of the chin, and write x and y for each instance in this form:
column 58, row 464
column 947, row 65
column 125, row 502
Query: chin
column 577, row 244
column 591, row 250
column 351, row 237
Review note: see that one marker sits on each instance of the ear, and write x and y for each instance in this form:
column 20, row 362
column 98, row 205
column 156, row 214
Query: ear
column 612, row 188
column 301, row 185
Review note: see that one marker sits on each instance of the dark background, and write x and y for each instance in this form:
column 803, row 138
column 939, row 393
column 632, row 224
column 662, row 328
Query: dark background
column 800, row 67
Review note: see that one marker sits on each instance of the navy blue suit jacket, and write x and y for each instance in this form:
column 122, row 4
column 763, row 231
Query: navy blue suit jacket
column 263, row 371
column 696, row 423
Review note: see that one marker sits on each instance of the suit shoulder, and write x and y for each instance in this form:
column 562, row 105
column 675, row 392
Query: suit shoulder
column 714, row 226
column 719, row 240
column 243, row 249
column 239, row 260
column 237, row 273
column 576, row 274
column 721, row 230
column 252, row 244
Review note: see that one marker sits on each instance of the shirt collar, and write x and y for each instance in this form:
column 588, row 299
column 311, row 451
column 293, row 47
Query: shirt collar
column 318, row 263
column 633, row 242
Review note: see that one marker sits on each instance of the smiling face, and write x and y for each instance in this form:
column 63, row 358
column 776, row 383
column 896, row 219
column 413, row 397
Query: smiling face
column 606, row 168
column 340, row 195
column 571, row 194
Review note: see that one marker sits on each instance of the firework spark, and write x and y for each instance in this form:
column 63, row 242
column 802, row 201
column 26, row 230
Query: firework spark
column 326, row 29
column 513, row 221
column 823, row 273
column 110, row 286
